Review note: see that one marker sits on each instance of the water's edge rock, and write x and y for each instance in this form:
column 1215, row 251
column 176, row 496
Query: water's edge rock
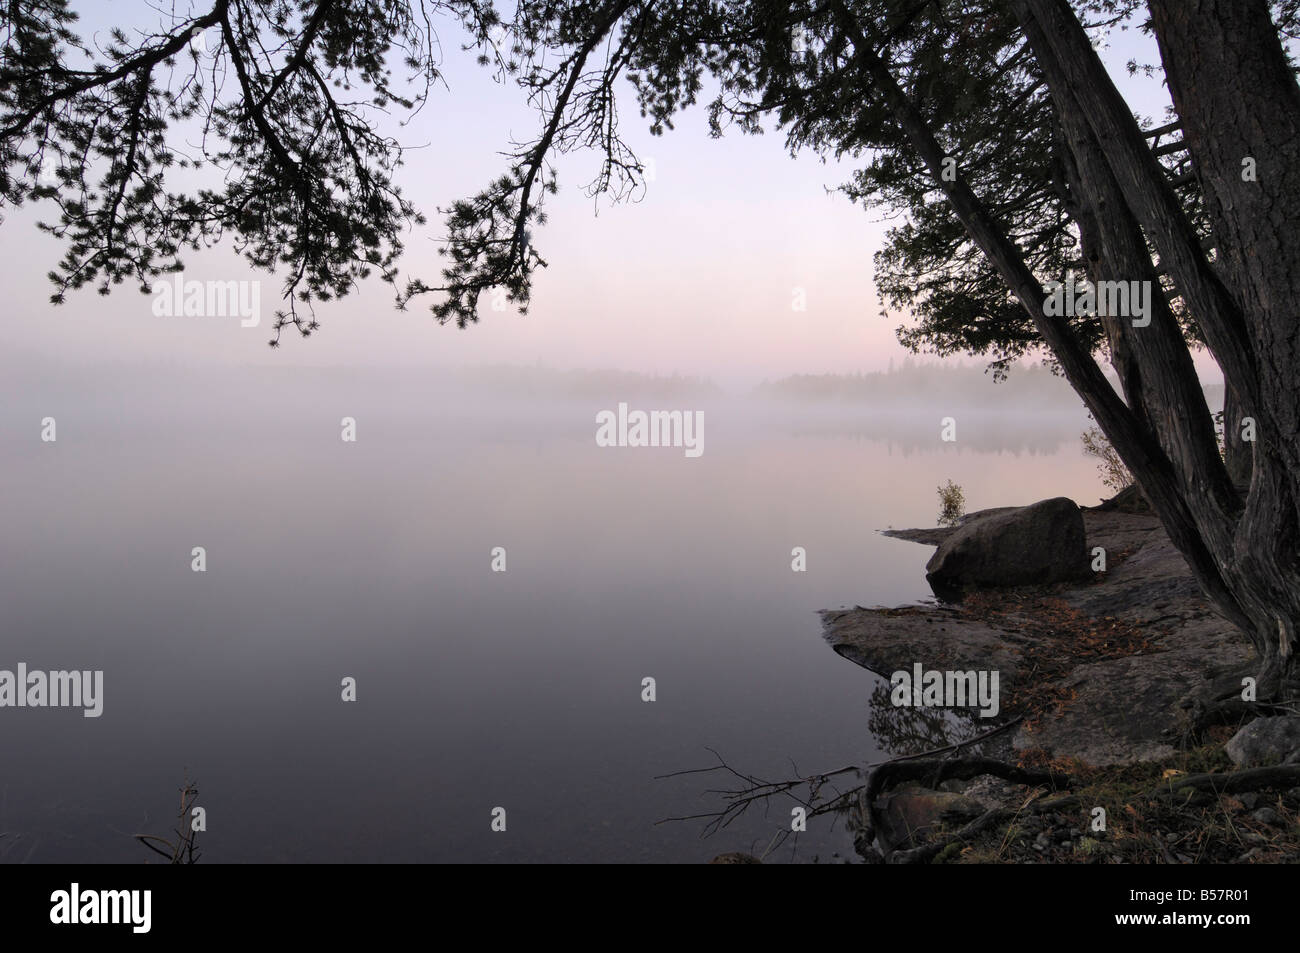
column 1038, row 544
column 1119, row 710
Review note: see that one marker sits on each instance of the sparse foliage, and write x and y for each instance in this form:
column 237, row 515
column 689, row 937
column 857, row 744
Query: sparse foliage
column 952, row 504
column 282, row 101
column 1113, row 472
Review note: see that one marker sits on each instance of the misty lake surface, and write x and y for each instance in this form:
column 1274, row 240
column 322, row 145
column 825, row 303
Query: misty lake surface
column 475, row 689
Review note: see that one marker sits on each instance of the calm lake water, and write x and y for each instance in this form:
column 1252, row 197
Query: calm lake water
column 475, row 689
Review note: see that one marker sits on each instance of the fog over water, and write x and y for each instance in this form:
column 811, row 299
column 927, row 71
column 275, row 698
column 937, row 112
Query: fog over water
column 475, row 689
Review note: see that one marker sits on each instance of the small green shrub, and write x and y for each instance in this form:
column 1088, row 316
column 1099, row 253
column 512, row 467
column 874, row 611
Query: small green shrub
column 1113, row 472
column 952, row 504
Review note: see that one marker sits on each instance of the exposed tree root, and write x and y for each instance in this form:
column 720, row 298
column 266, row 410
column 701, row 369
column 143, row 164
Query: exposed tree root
column 1234, row 782
column 1197, row 814
column 986, row 821
column 935, row 771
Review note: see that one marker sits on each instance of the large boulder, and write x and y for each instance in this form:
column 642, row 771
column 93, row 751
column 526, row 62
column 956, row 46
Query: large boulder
column 1266, row 741
column 1042, row 543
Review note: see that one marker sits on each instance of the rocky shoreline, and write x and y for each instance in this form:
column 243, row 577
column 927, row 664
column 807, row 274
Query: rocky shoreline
column 1100, row 679
column 1108, row 744
column 1119, row 703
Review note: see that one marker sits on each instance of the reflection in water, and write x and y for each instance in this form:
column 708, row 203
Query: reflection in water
column 909, row 730
column 372, row 560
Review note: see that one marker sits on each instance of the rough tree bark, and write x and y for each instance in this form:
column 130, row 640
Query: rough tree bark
column 1240, row 108
column 1243, row 102
column 1236, row 451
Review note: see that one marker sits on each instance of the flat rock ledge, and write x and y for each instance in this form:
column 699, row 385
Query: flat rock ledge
column 1117, row 710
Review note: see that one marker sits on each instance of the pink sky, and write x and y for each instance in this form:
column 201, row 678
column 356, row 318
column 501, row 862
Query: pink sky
column 697, row 278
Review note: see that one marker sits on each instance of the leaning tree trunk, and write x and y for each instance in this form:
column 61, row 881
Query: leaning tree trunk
column 1240, row 107
column 1128, row 431
column 1245, row 556
column 1237, row 453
